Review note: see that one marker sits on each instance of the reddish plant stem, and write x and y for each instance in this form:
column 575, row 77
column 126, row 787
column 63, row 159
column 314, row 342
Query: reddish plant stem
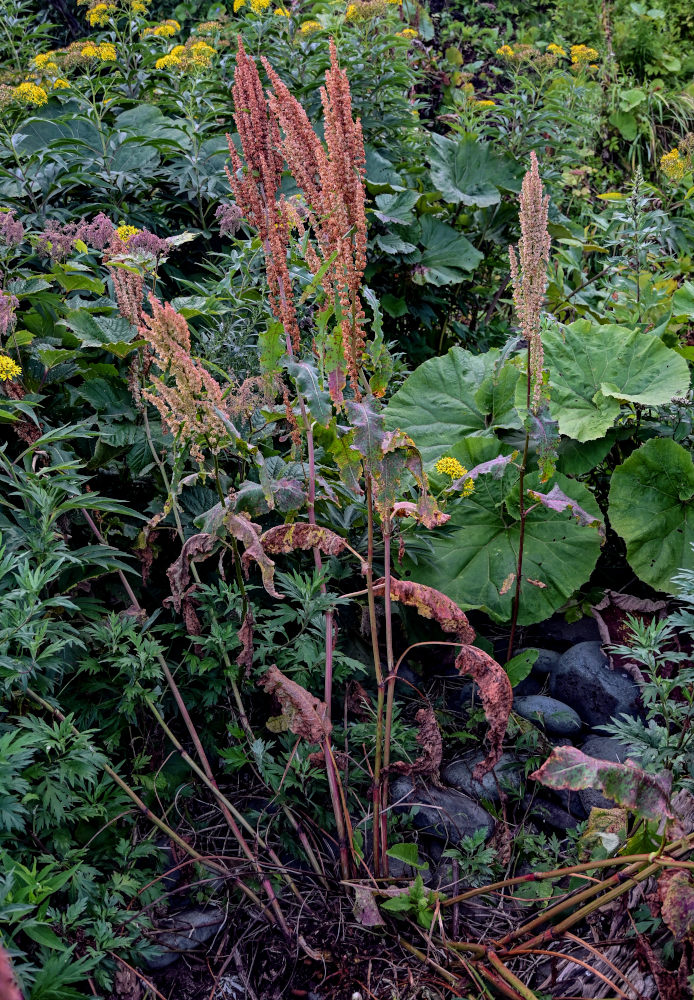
column 391, row 678
column 376, row 786
column 523, row 517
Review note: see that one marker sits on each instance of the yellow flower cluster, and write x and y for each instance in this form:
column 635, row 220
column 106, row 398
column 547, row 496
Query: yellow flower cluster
column 674, row 165
column 310, row 27
column 581, row 54
column 126, row 233
column 448, row 466
column 556, row 50
column 166, row 29
column 8, row 368
column 485, row 104
column 366, row 10
column 30, row 94
column 407, row 33
column 259, row 6
column 105, row 51
column 281, row 12
column 61, row 83
column 506, row 52
column 100, row 14
column 197, row 55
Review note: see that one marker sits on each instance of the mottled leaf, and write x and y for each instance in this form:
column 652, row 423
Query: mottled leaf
column 676, row 892
column 306, row 715
column 557, row 500
column 497, row 700
column 429, row 739
column 431, row 603
column 197, row 548
column 248, row 533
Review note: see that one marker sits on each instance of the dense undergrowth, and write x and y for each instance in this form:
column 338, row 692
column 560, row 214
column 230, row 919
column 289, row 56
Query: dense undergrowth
column 294, row 450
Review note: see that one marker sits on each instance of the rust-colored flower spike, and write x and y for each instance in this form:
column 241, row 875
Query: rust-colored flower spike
column 193, row 407
column 529, row 273
column 255, row 182
column 332, row 182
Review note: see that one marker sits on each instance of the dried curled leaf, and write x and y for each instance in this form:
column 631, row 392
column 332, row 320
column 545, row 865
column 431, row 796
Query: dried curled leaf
column 8, row 984
column 557, row 500
column 425, row 511
column 288, row 537
column 676, row 892
column 197, row 548
column 429, row 738
column 245, row 657
column 627, row 785
column 431, row 603
column 306, row 715
column 248, row 533
column 497, row 700
column 495, row 465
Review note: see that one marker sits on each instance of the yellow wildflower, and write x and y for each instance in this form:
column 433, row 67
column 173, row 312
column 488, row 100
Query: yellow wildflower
column 106, row 51
column 556, row 50
column 448, row 466
column 8, row 368
column 41, row 60
column 201, row 54
column 398, row 2
column 126, row 233
column 164, row 30
column 61, row 84
column 238, row 4
column 485, row 104
column 100, row 14
column 30, row 93
column 310, row 27
column 583, row 54
column 468, row 487
column 505, row 51
column 139, row 6
column 407, row 33
column 280, row 12
column 259, row 6
column 673, row 165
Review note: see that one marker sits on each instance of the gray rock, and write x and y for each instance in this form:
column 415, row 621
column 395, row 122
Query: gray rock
column 530, row 685
column 183, row 932
column 441, row 812
column 548, row 814
column 604, row 748
column 583, row 679
column 554, row 716
column 546, row 660
column 559, row 630
column 458, row 774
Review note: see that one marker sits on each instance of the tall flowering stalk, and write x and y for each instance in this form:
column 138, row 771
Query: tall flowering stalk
column 529, row 280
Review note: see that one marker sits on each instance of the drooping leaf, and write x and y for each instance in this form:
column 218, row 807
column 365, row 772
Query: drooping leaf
column 307, row 382
column 248, row 533
column 557, row 500
column 431, row 603
column 676, row 892
column 289, row 537
column 306, row 715
column 651, row 505
column 429, row 739
column 197, row 548
column 593, row 368
column 497, row 700
column 627, row 785
column 425, row 511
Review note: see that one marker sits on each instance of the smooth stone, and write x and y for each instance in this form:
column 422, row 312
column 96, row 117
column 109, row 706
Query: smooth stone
column 185, row 932
column 554, row 716
column 603, row 748
column 549, row 814
column 458, row 774
column 584, row 679
column 546, row 660
column 530, row 685
column 440, row 812
column 559, row 630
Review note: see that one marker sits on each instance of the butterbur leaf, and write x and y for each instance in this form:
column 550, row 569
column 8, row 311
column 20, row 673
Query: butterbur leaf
column 8, row 985
column 197, row 548
column 306, row 715
column 248, row 533
column 429, row 739
column 425, row 511
column 627, row 785
column 245, row 657
column 289, row 537
column 557, row 500
column 431, row 603
column 497, row 700
column 676, row 892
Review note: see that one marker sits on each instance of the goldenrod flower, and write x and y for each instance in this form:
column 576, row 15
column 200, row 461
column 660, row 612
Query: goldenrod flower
column 61, row 84
column 505, row 51
column 485, row 104
column 310, row 27
column 105, row 51
column 673, row 165
column 30, row 93
column 583, row 54
column 201, row 54
column 407, row 33
column 42, row 59
column 139, row 6
column 164, row 30
column 238, row 4
column 448, row 466
column 8, row 368
column 259, row 6
column 100, row 14
column 556, row 50
column 280, row 12
column 126, row 233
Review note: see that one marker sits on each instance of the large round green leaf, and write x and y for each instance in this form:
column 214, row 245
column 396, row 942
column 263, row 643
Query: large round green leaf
column 452, row 396
column 652, row 508
column 593, row 368
column 473, row 558
column 447, row 256
column 470, row 172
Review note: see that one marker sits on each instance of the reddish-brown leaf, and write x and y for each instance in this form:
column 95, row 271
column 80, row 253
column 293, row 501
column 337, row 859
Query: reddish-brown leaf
column 625, row 784
column 245, row 657
column 429, row 738
column 676, row 892
column 288, row 537
column 8, row 984
column 248, row 533
column 425, row 511
column 431, row 603
column 497, row 700
column 197, row 548
column 306, row 715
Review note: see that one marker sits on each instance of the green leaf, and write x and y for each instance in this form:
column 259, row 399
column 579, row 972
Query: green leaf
column 592, row 368
column 396, row 207
column 474, row 558
column 519, row 666
column 651, row 505
column 110, row 332
column 307, row 382
column 408, row 854
column 625, row 123
column 470, row 172
column 447, row 256
column 42, row 934
column 448, row 398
